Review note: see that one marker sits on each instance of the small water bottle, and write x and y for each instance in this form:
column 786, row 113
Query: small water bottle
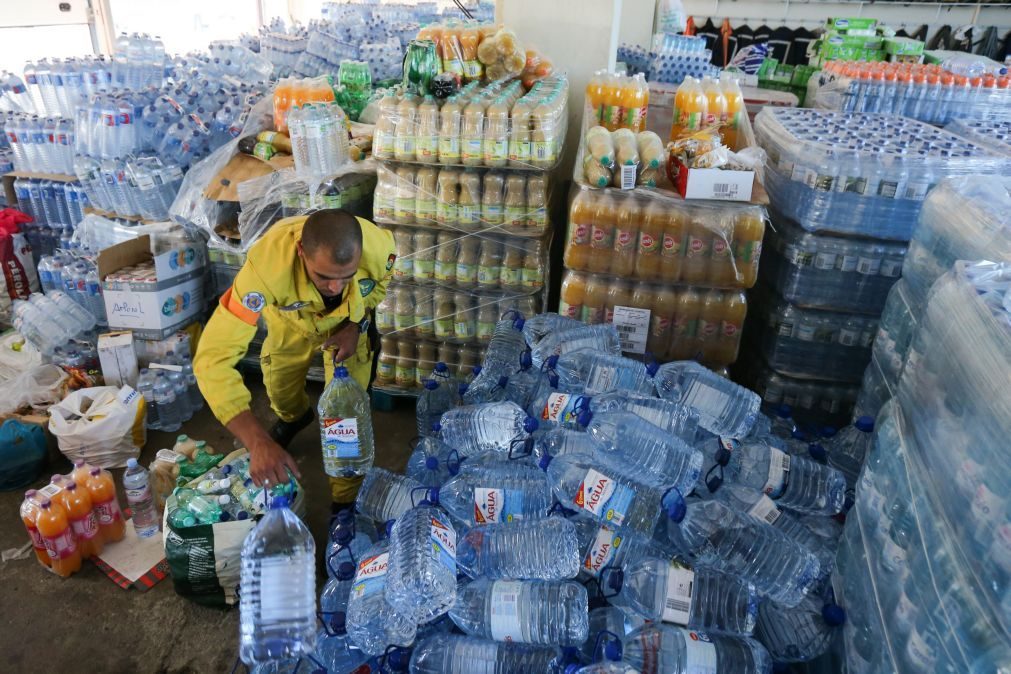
column 531, row 550
column 277, row 609
column 724, row 408
column 169, row 418
column 145, row 385
column 137, row 485
column 422, row 576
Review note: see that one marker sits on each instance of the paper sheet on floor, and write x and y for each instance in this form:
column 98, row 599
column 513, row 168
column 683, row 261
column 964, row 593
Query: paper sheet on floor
column 133, row 556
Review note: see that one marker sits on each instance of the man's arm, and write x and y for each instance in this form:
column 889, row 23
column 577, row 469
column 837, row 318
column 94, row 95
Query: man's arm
column 379, row 252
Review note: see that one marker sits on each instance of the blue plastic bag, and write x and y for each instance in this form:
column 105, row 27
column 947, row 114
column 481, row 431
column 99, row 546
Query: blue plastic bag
column 22, row 454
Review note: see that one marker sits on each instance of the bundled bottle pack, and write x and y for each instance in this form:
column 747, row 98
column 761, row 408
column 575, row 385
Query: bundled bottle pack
column 670, row 59
column 846, row 192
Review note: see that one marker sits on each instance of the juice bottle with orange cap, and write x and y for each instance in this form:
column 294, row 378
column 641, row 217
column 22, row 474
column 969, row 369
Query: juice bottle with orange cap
column 612, row 112
column 686, row 317
column 661, row 322
column 689, row 109
column 626, row 235
column 470, row 38
column 58, row 537
column 749, row 229
column 595, row 95
column 733, row 131
column 29, row 515
column 570, row 303
column 695, row 267
column 647, row 255
column 735, row 308
column 82, row 520
column 717, row 108
column 595, row 299
column 452, row 52
column 102, row 490
column 672, row 245
column 602, row 234
column 619, row 294
column 577, row 248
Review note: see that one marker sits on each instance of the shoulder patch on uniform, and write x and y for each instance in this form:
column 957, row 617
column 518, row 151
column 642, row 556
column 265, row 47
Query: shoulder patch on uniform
column 254, row 301
column 390, row 260
column 366, row 285
column 294, row 306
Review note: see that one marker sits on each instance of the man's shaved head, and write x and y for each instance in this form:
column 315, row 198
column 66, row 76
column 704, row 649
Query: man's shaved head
column 334, row 233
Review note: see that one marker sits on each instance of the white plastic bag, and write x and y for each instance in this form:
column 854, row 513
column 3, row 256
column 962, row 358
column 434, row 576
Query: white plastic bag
column 102, row 425
column 37, row 387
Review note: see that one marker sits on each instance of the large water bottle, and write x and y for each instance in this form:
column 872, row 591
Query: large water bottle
column 847, row 450
column 456, row 654
column 537, row 327
column 345, row 424
column 437, row 398
column 523, row 611
column 724, row 408
column 372, row 622
column 169, row 418
column 559, row 441
column 334, row 597
column 344, row 545
column 676, row 650
column 663, row 589
column 432, row 462
column 136, row 483
column 604, row 546
column 489, row 427
column 670, row 417
column 800, row 633
column 534, row 550
column 277, row 606
column 708, row 533
column 644, row 446
column 145, row 384
column 504, row 349
column 495, row 492
column 422, row 576
column 602, row 338
column 610, row 491
column 333, row 648
column 486, row 389
column 384, row 495
column 593, row 372
column 794, row 482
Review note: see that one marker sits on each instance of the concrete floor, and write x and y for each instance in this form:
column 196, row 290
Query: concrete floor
column 86, row 623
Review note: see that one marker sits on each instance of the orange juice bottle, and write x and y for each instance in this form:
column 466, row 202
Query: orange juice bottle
column 626, row 234
column 595, row 299
column 735, row 308
column 282, row 94
column 661, row 322
column 721, row 255
column 29, row 516
column 647, row 254
column 82, row 520
column 731, row 132
column 618, row 295
column 452, row 51
column 573, row 290
column 612, row 112
column 672, row 245
column 716, row 103
column 689, row 303
column 81, row 471
column 695, row 268
column 602, row 234
column 102, row 490
column 595, row 95
column 57, row 489
column 634, row 101
column 710, row 320
column 577, row 248
column 689, row 109
column 748, row 232
column 58, row 537
column 470, row 38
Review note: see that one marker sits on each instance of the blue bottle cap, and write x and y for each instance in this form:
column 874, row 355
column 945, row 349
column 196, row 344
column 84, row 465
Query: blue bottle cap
column 530, row 424
column 388, row 527
column 431, row 385
column 345, row 571
column 613, row 651
column 518, row 323
column 865, row 424
column 828, row 432
column 338, row 622
column 343, row 536
column 833, row 614
column 651, row 369
column 817, row 452
column 432, row 496
column 436, row 427
column 432, row 463
column 476, row 370
column 584, row 418
column 462, row 389
column 525, row 360
column 784, row 411
column 674, row 505
column 553, row 380
column 552, row 361
column 545, row 461
column 242, row 515
column 279, row 501
column 340, row 372
column 503, row 381
column 441, row 368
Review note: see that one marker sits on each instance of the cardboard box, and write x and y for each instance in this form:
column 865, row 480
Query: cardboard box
column 169, row 298
column 903, row 46
column 118, row 358
column 852, row 25
column 719, row 184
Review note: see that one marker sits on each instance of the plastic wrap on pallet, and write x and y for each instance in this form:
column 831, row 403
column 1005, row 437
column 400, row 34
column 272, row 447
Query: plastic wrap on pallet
column 652, row 237
column 861, row 174
column 405, row 363
column 665, row 321
column 991, row 133
column 814, row 401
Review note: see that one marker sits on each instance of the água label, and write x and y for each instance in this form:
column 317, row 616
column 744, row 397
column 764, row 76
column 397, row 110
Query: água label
column 443, row 539
column 603, row 550
column 340, row 440
column 369, row 578
column 505, row 611
column 559, row 408
column 700, row 654
column 493, row 506
column 677, row 605
column 605, row 498
column 779, row 472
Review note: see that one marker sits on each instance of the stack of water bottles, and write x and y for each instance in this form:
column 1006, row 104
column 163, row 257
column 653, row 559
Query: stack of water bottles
column 14, row 96
column 170, row 389
column 580, row 509
column 55, row 88
column 40, row 145
column 670, row 59
column 53, row 321
column 56, row 207
column 922, row 562
column 846, row 190
column 991, row 133
column 75, row 276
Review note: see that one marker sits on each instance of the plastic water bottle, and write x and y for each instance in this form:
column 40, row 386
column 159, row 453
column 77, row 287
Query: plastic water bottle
column 791, row 481
column 372, row 622
column 710, row 534
column 663, row 589
column 605, row 546
column 504, row 348
column 610, row 491
column 602, row 338
column 136, row 483
column 333, row 648
column 169, row 418
column 195, row 398
column 436, row 398
column 643, row 446
column 384, row 495
column 432, row 462
column 676, row 650
column 345, row 424
column 422, row 575
column 671, row 417
column 486, row 390
column 277, row 609
column 344, row 541
column 456, row 654
column 724, row 408
column 495, row 492
column 145, row 384
column 206, row 510
column 523, row 611
column 559, row 441
column 490, row 427
column 800, row 633
column 537, row 327
column 533, row 550
column 592, row 372
column 334, row 597
column 847, row 450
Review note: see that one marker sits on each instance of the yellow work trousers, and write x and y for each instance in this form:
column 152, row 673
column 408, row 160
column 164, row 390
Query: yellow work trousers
column 285, row 359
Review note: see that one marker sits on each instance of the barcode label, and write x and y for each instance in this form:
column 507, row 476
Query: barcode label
column 627, row 177
column 677, row 607
column 49, row 491
column 505, row 617
column 891, row 268
column 721, row 188
column 765, row 510
column 847, row 263
column 779, row 469
column 632, row 325
column 869, row 266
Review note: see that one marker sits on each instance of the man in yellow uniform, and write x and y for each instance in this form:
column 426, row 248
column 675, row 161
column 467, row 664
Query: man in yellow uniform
column 314, row 280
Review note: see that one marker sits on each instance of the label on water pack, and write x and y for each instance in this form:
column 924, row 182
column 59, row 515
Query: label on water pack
column 505, row 611
column 340, row 440
column 604, row 497
column 443, row 539
column 919, row 653
column 560, row 408
column 869, row 266
column 493, row 506
column 848, row 263
column 62, row 545
column 891, row 268
column 779, row 472
column 764, row 509
column 677, row 605
column 280, row 577
column 848, row 336
column 700, row 653
column 824, row 261
column 602, row 551
column 369, row 578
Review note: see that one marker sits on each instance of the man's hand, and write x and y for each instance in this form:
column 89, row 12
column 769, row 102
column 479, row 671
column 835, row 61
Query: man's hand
column 343, row 342
column 268, row 462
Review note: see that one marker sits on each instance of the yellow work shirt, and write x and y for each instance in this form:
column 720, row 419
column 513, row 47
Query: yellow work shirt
column 273, row 283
